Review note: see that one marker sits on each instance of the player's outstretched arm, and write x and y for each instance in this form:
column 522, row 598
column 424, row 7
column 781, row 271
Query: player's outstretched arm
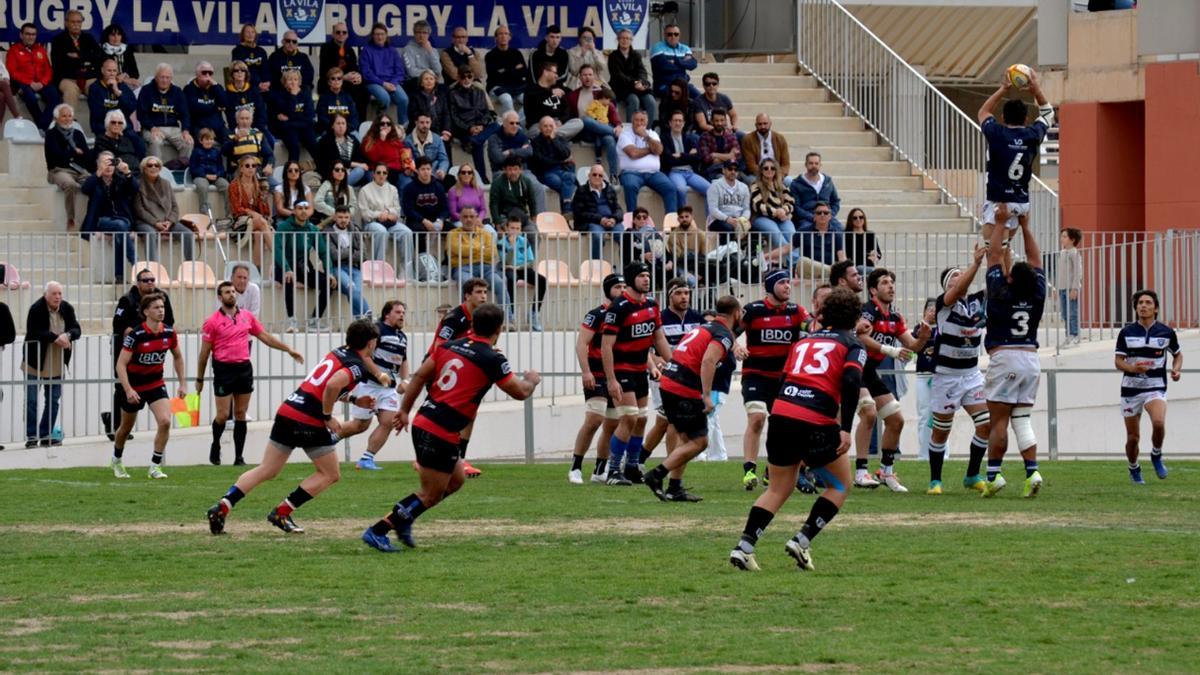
column 521, row 388
column 988, row 109
column 273, row 342
column 1033, row 253
column 959, row 289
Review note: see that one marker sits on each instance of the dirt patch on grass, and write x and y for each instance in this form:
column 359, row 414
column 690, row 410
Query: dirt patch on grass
column 458, row 606
column 734, row 668
column 125, row 597
column 20, row 627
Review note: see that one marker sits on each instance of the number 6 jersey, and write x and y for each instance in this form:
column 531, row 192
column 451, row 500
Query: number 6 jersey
column 812, row 384
column 1012, row 321
column 464, row 371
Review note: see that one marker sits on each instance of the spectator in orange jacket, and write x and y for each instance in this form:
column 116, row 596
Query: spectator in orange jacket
column 29, row 66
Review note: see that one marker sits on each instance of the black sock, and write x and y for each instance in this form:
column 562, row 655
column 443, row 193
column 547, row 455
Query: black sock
column 234, row 496
column 660, row 472
column 978, row 450
column 645, row 455
column 601, row 465
column 299, row 497
column 577, row 462
column 218, row 428
column 118, row 452
column 822, row 512
column 408, row 508
column 756, row 522
column 381, row 527
column 462, row 447
column 861, row 464
column 157, row 457
column 888, row 457
column 239, row 438
column 937, row 456
column 675, row 485
column 749, row 466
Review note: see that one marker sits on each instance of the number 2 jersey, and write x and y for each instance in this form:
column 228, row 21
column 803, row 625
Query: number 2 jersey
column 770, row 331
column 148, row 352
column 464, row 370
column 1012, row 321
column 959, row 333
column 634, row 323
column 681, row 376
column 305, row 405
column 1139, row 344
column 1010, row 155
column 812, row 377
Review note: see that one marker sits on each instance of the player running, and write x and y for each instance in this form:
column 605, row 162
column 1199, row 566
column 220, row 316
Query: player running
column 391, row 357
column 600, row 412
column 460, row 372
column 679, row 319
column 810, row 423
column 1014, row 309
column 305, row 420
column 771, row 326
column 140, row 373
column 957, row 382
column 455, row 325
column 1141, row 355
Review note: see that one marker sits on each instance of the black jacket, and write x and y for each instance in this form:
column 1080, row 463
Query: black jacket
column 468, row 108
column 584, row 204
column 437, row 106
column 85, row 65
column 58, row 151
column 327, row 153
column 624, row 71
column 549, row 153
column 129, row 316
column 329, row 59
column 38, row 336
column 688, row 158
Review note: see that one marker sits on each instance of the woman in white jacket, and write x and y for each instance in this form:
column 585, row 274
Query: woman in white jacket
column 379, row 208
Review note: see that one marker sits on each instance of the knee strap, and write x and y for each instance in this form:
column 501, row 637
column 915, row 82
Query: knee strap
column 982, row 417
column 598, row 406
column 890, row 408
column 627, row 411
column 864, row 403
column 943, row 425
column 1022, row 427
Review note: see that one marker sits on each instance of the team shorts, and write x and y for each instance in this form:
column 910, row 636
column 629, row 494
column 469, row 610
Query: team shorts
column 387, row 399
column 434, row 452
column 951, row 392
column 1132, row 406
column 233, row 378
column 656, row 399
column 637, row 382
column 598, row 401
column 791, row 441
column 872, row 382
column 288, row 434
column 1013, row 376
column 759, row 392
column 685, row 414
column 1015, row 210
column 146, row 398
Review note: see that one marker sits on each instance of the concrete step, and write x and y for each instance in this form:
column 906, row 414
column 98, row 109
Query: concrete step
column 901, row 211
column 858, row 197
column 784, row 109
column 743, row 81
column 18, row 194
column 928, row 226
column 822, row 139
column 794, row 124
column 877, row 182
column 28, row 225
column 837, row 169
column 746, row 69
column 745, row 97
column 847, row 154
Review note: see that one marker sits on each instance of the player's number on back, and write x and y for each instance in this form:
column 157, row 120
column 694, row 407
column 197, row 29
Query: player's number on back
column 818, row 364
column 1021, row 319
column 449, row 375
column 692, row 335
column 321, row 373
column 1016, row 170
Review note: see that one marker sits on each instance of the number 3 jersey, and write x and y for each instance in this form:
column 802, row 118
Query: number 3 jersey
column 812, row 383
column 1138, row 345
column 464, row 370
column 633, row 323
column 305, row 405
column 1012, row 321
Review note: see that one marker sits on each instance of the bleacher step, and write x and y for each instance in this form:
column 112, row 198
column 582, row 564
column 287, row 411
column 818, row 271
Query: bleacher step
column 742, row 97
column 803, row 140
column 826, row 123
column 881, row 197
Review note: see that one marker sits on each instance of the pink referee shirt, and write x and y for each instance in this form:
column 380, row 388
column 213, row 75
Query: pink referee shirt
column 230, row 337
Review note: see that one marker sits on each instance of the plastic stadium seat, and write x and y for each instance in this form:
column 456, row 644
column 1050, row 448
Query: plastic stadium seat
column 379, row 273
column 557, row 273
column 195, row 274
column 255, row 275
column 160, row 273
column 201, row 224
column 670, row 221
column 277, row 174
column 581, row 175
column 22, row 131
column 363, row 129
column 12, row 278
column 554, row 226
column 593, row 271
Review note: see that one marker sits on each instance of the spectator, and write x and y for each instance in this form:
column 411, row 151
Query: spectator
column 335, row 191
column 585, row 53
column 545, row 97
column 337, row 52
column 291, row 190
column 335, row 100
column 472, row 121
column 121, row 141
column 162, row 111
column 76, row 58
column 771, row 205
column 550, row 51
column 471, row 253
column 7, row 102
column 861, row 246
column 763, row 145
column 425, row 143
column 68, row 162
column 29, row 66
column 289, row 59
column 592, row 105
column 629, row 79
column 511, row 141
column 339, row 145
column 206, row 169
column 426, row 208
column 379, row 207
column 206, row 102
column 156, row 212
column 681, row 160
column 128, row 317
column 821, row 244
column 507, row 75
column 467, row 192
column 811, row 188
column 383, row 144
column 384, row 73
column 729, row 202
column 597, row 211
column 249, row 295
column 250, row 207
column 512, row 193
column 293, row 117
column 670, row 60
column 640, row 166
column 419, row 55
column 688, row 245
column 248, row 52
column 1068, row 277
column 712, row 99
column 429, row 98
column 107, row 93
column 248, row 141
column 646, row 244
column 677, row 101
column 111, row 192
column 552, row 164
column 296, row 240
column 241, row 93
column 50, row 332
column 518, row 260
column 114, row 46
column 460, row 56
column 344, row 258
column 718, row 147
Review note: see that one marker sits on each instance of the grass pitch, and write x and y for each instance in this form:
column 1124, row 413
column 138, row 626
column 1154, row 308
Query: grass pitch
column 522, row 572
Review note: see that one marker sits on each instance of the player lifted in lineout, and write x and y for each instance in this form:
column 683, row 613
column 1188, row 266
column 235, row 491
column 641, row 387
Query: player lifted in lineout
column 1141, row 354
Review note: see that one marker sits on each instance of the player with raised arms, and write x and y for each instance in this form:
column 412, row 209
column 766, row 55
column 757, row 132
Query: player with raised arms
column 601, row 412
column 1141, row 354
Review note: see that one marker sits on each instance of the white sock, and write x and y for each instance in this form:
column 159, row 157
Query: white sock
column 367, row 454
column 1134, row 466
column 1156, row 452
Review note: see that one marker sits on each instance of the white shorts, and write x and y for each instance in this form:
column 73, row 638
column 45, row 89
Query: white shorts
column 951, row 392
column 1015, row 210
column 1132, row 406
column 387, row 399
column 1013, row 376
column 656, row 397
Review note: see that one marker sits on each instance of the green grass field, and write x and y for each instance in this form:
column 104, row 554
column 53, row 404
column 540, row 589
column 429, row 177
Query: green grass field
column 522, row 572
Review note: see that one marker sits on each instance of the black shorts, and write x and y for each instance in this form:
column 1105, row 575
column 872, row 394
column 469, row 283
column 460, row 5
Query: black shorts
column 599, row 391
column 872, row 381
column 791, row 441
column 146, row 398
column 314, row 441
column 233, row 378
column 686, row 415
column 757, row 387
column 636, row 382
column 434, row 452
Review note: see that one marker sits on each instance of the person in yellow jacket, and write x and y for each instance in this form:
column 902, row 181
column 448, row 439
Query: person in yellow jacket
column 471, row 253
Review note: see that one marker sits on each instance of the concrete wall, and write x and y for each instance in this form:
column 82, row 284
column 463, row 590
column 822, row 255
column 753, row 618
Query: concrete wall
column 1172, row 145
column 1101, row 170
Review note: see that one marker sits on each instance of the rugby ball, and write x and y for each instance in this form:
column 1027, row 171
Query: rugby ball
column 1019, row 75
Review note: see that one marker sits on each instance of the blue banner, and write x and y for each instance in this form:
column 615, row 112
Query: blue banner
column 217, row 22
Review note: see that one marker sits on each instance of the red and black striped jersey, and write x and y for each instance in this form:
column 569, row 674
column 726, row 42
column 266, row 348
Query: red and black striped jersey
column 634, row 323
column 886, row 326
column 305, row 405
column 464, row 371
column 812, row 386
column 594, row 321
column 771, row 330
column 681, row 376
column 149, row 353
column 453, row 326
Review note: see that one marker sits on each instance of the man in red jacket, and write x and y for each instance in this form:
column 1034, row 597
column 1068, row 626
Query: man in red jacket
column 29, row 67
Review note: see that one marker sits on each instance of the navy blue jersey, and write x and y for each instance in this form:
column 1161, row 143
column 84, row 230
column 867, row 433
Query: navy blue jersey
column 391, row 350
column 675, row 326
column 926, row 363
column 1139, row 344
column 1012, row 321
column 959, row 332
column 1011, row 152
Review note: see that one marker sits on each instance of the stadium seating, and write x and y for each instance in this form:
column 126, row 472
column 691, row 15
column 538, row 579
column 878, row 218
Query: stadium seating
column 592, row 272
column 379, row 273
column 195, row 274
column 161, row 277
column 12, row 278
column 557, row 273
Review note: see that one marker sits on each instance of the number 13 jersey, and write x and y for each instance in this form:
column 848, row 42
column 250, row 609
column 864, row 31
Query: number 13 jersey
column 464, row 371
column 1012, row 321
column 812, row 384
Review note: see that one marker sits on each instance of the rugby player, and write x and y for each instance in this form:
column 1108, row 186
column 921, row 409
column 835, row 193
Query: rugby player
column 1141, row 354
column 456, row 324
column 845, row 274
column 391, row 357
column 600, row 413
column 810, row 423
column 460, row 372
column 679, row 319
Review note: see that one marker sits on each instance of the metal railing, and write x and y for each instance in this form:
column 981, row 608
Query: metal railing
column 920, row 123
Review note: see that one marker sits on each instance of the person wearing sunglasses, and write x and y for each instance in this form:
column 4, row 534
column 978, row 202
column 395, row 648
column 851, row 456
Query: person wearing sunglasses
column 712, row 99
column 335, row 100
column 379, row 204
column 337, row 52
column 246, row 140
column 289, row 58
column 465, row 192
column 206, row 102
column 384, row 144
column 813, row 187
column 254, row 57
column 384, row 73
column 670, row 60
column 241, row 93
column 156, row 214
column 121, row 141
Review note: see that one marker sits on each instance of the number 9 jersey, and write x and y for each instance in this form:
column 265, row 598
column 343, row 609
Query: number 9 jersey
column 812, row 384
column 464, row 371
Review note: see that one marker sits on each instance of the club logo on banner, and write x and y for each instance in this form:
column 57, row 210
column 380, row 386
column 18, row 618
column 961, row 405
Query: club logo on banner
column 306, row 17
column 630, row 15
